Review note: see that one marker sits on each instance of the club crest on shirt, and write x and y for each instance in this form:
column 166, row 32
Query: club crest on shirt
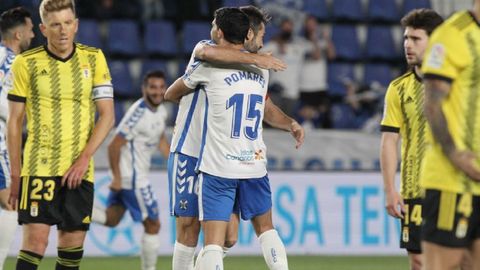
column 437, row 56
column 86, row 73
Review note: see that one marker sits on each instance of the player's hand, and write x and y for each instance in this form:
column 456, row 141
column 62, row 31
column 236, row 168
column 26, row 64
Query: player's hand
column 116, row 185
column 298, row 133
column 14, row 189
column 466, row 162
column 394, row 204
column 73, row 177
column 267, row 61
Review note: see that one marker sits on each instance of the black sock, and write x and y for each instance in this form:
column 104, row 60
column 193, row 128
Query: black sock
column 28, row 260
column 69, row 258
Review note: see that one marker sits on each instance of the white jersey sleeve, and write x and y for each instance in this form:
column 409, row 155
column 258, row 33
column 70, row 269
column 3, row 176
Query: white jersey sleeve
column 187, row 132
column 6, row 59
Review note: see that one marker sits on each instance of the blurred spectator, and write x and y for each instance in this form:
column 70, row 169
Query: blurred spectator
column 284, row 86
column 366, row 103
column 280, row 9
column 153, row 9
column 315, row 103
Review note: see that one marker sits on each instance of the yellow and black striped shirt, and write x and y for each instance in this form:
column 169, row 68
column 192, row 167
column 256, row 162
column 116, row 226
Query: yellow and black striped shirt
column 404, row 113
column 453, row 55
column 59, row 96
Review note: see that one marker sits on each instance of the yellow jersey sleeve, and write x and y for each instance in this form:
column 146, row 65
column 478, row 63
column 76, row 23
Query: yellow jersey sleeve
column 102, row 74
column 102, row 86
column 445, row 56
column 19, row 80
column 392, row 115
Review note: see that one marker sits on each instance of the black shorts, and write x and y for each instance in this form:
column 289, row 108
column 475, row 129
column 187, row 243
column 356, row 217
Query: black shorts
column 411, row 226
column 450, row 219
column 44, row 200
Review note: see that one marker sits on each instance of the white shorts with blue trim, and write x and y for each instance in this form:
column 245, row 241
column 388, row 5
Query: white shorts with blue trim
column 140, row 202
column 217, row 197
column 4, row 170
column 183, row 185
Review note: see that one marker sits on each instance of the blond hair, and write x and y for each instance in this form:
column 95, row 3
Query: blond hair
column 48, row 6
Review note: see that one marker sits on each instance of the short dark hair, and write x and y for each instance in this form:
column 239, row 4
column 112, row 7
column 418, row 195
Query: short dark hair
column 234, row 24
column 13, row 18
column 153, row 74
column 423, row 18
column 256, row 16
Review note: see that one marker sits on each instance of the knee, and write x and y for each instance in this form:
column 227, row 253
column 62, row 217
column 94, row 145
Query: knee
column 37, row 244
column 230, row 242
column 152, row 226
column 188, row 230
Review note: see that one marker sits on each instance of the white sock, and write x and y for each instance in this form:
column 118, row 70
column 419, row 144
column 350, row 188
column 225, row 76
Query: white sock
column 182, row 257
column 8, row 227
column 273, row 250
column 99, row 215
column 225, row 251
column 211, row 258
column 149, row 251
column 197, row 261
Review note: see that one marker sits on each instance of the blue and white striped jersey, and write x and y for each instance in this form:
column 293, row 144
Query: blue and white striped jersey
column 187, row 133
column 142, row 128
column 6, row 59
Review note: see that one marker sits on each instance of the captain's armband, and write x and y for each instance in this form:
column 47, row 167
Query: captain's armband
column 102, row 91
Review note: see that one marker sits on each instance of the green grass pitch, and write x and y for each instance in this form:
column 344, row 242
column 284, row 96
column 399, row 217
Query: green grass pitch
column 243, row 262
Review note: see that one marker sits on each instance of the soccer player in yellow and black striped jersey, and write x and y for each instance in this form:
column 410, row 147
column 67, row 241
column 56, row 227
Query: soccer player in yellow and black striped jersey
column 451, row 173
column 59, row 87
column 403, row 118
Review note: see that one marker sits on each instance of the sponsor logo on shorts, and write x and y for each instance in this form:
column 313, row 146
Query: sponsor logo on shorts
column 34, row 209
column 183, row 204
column 86, row 220
column 462, row 228
column 405, row 234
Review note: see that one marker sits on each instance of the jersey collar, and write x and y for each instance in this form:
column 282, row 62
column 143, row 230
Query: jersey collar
column 417, row 77
column 59, row 58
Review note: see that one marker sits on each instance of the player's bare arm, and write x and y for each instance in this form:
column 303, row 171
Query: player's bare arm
column 388, row 161
column 222, row 54
column 114, row 149
column 164, row 146
column 14, row 143
column 106, row 119
column 177, row 90
column 276, row 118
column 435, row 92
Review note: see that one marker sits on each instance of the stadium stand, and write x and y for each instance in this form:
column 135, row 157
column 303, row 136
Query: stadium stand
column 160, row 39
column 123, row 38
column 383, row 11
column 347, row 10
column 89, row 33
column 317, row 8
column 347, row 45
column 380, row 44
column 194, row 31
